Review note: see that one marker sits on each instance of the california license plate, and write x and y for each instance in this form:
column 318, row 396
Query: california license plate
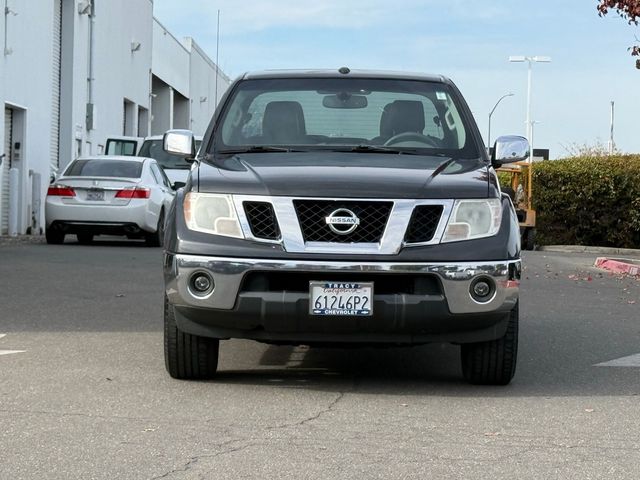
column 340, row 298
column 95, row 195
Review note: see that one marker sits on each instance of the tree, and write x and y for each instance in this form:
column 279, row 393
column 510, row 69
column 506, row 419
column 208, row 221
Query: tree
column 627, row 9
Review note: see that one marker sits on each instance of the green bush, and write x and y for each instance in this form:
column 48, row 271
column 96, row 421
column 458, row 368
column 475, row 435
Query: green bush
column 589, row 200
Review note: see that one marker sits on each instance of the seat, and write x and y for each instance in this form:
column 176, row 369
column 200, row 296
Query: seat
column 283, row 123
column 402, row 116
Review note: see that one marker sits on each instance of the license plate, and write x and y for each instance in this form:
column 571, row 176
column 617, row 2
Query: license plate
column 96, row 195
column 340, row 298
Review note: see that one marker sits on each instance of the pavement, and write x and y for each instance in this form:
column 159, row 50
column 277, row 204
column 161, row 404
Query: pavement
column 629, row 265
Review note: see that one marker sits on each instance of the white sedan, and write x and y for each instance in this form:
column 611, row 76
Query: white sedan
column 110, row 195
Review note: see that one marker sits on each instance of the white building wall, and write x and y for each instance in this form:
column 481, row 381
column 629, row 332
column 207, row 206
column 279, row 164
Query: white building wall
column 131, row 51
column 28, row 92
column 170, row 59
column 116, row 56
column 203, row 75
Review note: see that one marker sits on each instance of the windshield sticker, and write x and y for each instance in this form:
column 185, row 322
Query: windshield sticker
column 441, row 96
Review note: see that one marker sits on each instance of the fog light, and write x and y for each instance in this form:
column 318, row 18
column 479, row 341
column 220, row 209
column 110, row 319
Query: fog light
column 201, row 283
column 482, row 289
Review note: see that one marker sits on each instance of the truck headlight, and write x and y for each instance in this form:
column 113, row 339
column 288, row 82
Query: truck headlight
column 211, row 213
column 472, row 219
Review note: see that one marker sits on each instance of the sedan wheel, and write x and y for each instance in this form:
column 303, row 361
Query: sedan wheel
column 54, row 237
column 156, row 238
column 85, row 238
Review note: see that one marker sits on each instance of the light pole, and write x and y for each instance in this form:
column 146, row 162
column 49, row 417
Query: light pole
column 491, row 113
column 530, row 60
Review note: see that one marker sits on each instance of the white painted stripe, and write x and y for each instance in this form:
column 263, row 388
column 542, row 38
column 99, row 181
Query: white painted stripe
column 3, row 335
column 630, row 361
column 9, row 352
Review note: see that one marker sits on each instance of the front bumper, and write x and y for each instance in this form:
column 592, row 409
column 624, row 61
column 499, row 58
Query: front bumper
column 448, row 313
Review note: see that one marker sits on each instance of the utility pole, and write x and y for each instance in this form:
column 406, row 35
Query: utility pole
column 611, row 144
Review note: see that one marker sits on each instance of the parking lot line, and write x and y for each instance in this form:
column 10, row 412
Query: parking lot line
column 629, row 361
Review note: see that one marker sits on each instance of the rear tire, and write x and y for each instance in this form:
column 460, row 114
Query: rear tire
column 156, row 238
column 85, row 238
column 493, row 362
column 187, row 356
column 54, row 237
column 529, row 239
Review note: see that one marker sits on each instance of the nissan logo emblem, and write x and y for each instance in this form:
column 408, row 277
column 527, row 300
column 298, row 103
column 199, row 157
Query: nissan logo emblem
column 342, row 221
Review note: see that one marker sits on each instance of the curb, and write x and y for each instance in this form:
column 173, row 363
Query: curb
column 585, row 249
column 619, row 265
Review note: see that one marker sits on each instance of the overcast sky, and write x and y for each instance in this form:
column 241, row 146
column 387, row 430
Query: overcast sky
column 469, row 41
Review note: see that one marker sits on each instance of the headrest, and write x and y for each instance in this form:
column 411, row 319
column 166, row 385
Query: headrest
column 402, row 116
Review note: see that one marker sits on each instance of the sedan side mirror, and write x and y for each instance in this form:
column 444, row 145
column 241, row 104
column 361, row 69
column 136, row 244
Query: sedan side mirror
column 179, row 142
column 177, row 185
column 509, row 149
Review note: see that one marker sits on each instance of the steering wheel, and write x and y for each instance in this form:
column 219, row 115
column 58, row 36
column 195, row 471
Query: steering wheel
column 410, row 137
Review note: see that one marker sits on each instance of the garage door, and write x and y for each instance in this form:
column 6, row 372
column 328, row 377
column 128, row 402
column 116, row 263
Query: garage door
column 4, row 172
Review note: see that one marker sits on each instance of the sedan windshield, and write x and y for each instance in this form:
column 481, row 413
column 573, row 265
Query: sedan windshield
column 104, row 168
column 351, row 114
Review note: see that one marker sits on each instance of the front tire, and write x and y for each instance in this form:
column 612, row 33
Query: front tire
column 493, row 362
column 187, row 356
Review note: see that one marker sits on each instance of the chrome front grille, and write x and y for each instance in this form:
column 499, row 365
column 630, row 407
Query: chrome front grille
column 372, row 217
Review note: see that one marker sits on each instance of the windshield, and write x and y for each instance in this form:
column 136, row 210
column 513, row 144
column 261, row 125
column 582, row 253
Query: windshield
column 384, row 115
column 153, row 149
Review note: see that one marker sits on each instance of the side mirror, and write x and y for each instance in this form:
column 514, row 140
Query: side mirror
column 179, row 142
column 177, row 185
column 509, row 149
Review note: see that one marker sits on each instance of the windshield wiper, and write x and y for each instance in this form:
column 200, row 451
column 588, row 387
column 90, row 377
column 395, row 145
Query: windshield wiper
column 382, row 149
column 258, row 149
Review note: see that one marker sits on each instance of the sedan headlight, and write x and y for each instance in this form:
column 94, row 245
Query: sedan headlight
column 472, row 219
column 211, row 213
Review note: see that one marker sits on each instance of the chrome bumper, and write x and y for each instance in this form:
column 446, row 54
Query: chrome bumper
column 456, row 278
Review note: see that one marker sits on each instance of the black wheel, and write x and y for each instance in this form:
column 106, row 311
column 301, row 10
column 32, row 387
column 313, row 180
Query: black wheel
column 187, row 356
column 156, row 238
column 85, row 238
column 494, row 362
column 529, row 239
column 54, row 237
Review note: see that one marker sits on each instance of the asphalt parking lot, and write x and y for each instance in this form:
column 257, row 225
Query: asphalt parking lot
column 84, row 393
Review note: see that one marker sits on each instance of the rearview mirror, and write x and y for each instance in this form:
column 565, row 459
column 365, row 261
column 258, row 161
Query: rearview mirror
column 344, row 100
column 509, row 149
column 179, row 142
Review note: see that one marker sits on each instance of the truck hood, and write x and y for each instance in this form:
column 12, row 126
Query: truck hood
column 346, row 175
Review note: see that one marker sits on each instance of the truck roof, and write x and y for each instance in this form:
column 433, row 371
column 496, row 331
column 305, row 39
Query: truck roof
column 326, row 73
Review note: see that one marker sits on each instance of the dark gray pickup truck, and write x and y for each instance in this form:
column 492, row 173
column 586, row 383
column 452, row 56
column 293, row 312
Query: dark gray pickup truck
column 342, row 207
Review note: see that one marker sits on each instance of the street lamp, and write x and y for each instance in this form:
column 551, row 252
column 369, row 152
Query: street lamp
column 491, row 113
column 530, row 60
